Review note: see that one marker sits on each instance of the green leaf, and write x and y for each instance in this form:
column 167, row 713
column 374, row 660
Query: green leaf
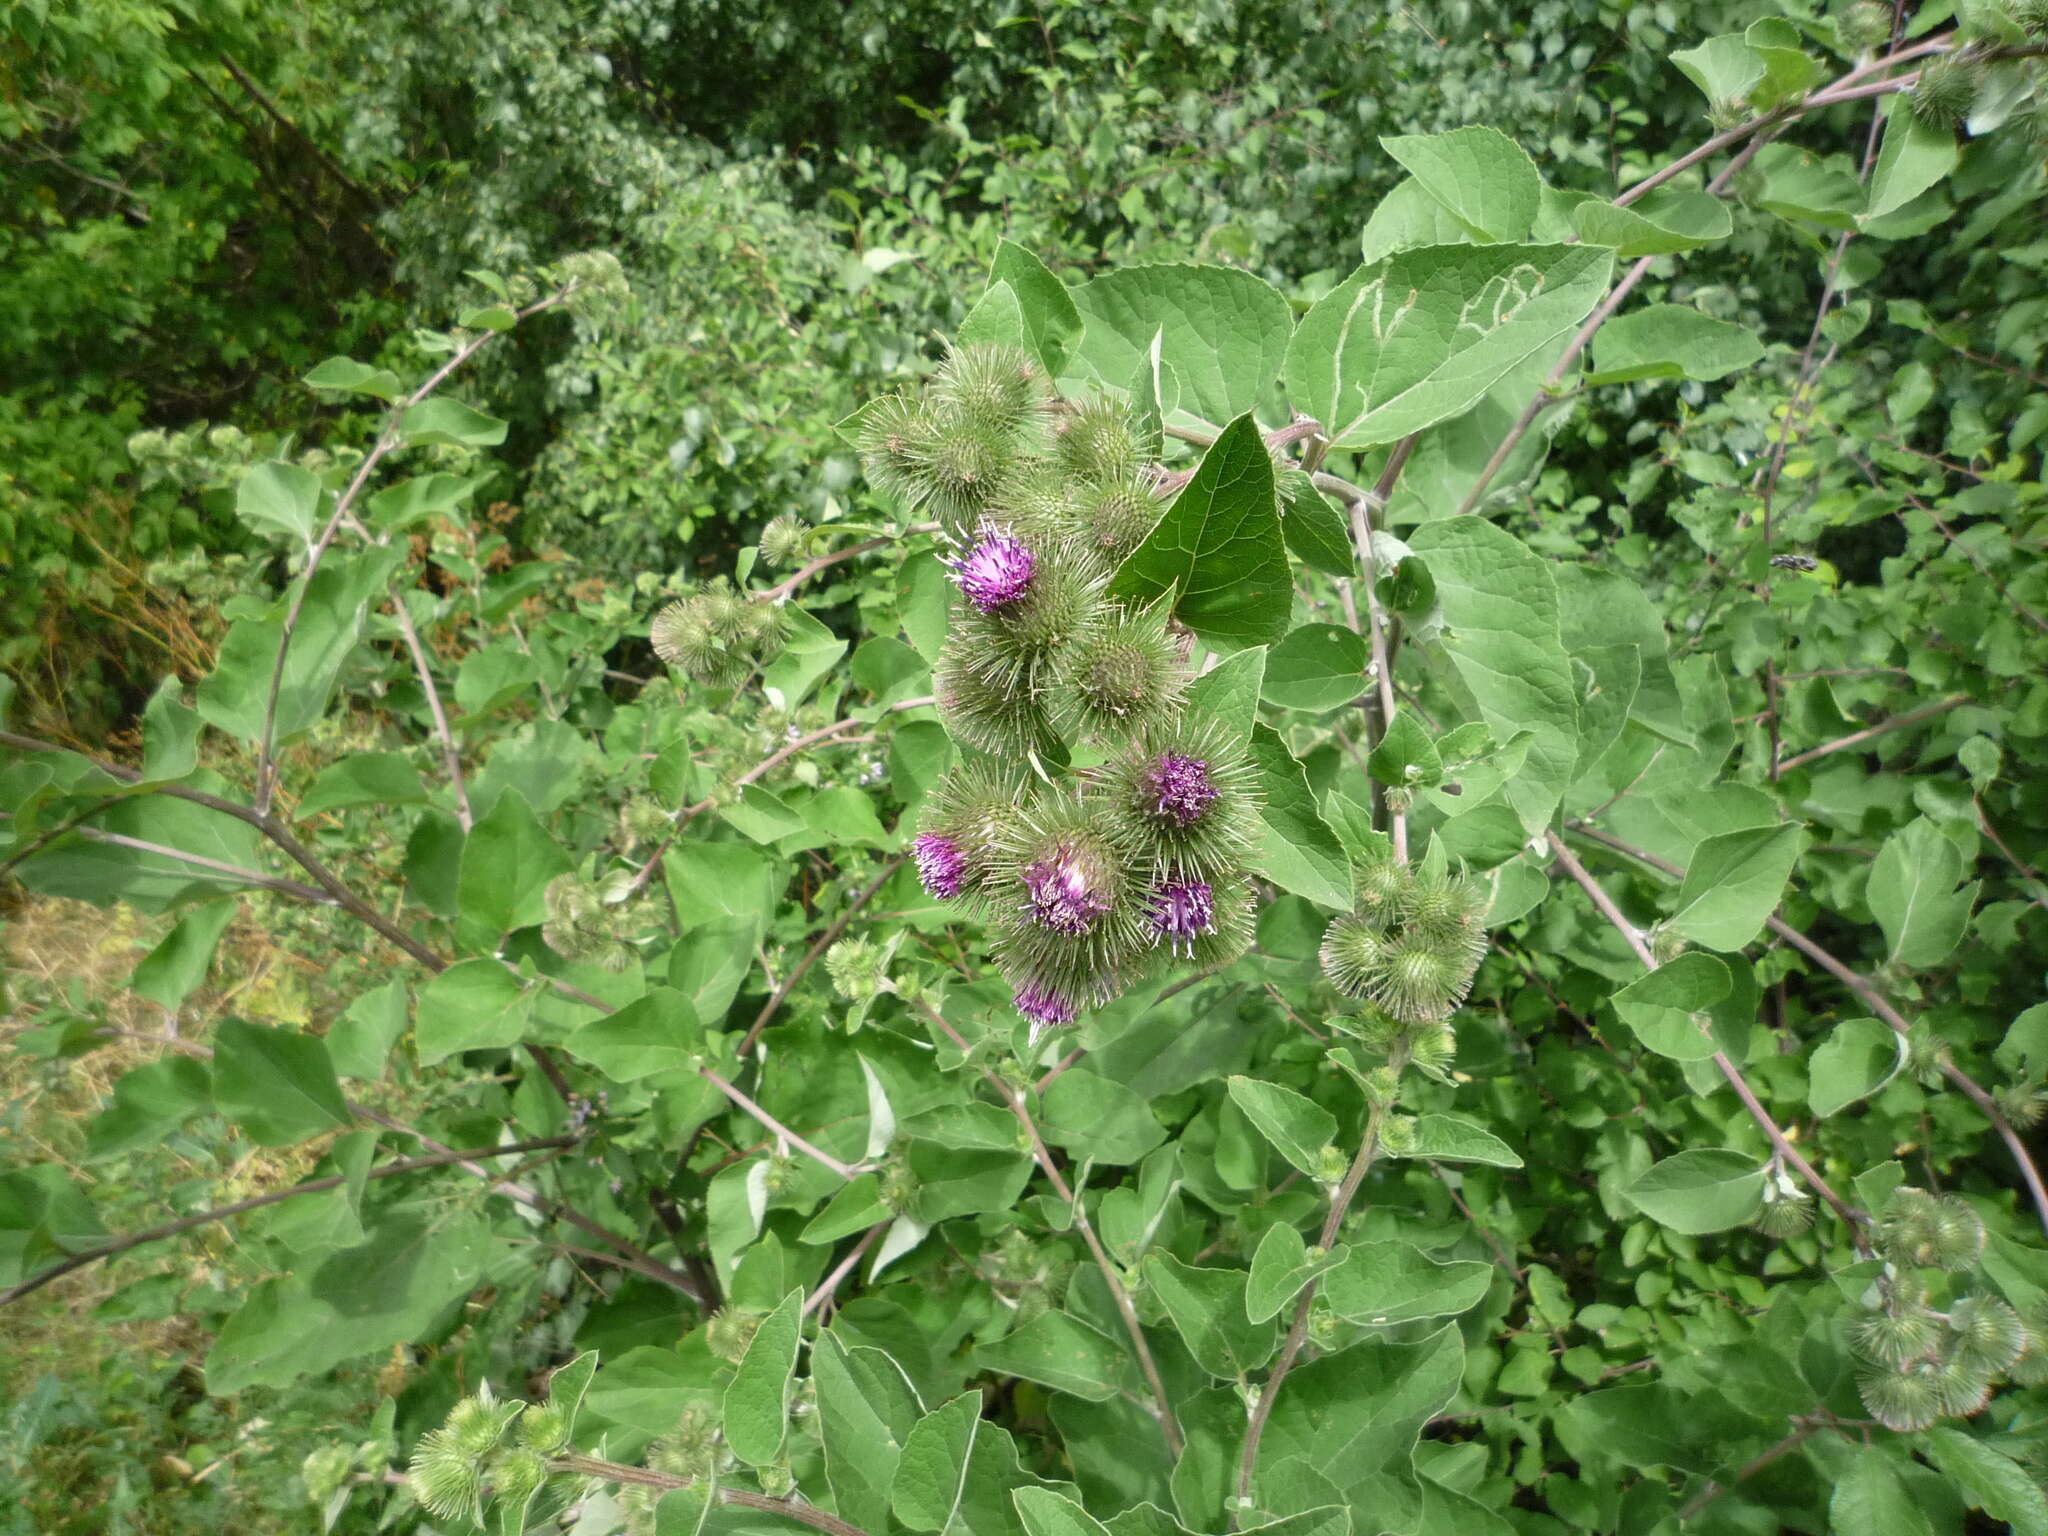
column 866, row 1410
column 809, row 651
column 1218, row 547
column 1228, row 692
column 361, row 1039
column 1870, row 1498
column 1797, row 184
column 1482, row 177
column 1789, row 71
column 1298, row 1128
column 409, row 503
column 1301, row 854
column 1667, row 1008
column 1317, row 667
column 1915, row 156
column 449, row 424
column 1858, row 1057
column 1207, row 1307
column 1058, row 1350
column 656, row 1033
column 364, row 778
column 149, row 1103
column 756, row 1413
column 492, row 317
column 1734, row 883
column 232, row 697
column 277, row 1086
column 1454, row 1139
column 957, row 1472
column 1046, row 1513
column 1281, row 1266
column 1051, row 321
column 2024, row 1050
column 1406, row 219
column 1405, row 758
column 507, row 861
column 1389, row 1283
column 1700, row 1190
column 1725, row 68
column 1663, row 222
column 1913, row 895
column 1313, row 527
column 1671, row 341
column 172, row 971
column 345, row 373
column 1354, row 1417
column 997, row 319
column 1989, row 1481
column 951, row 1183
column 474, row 1005
column 280, row 498
column 1501, row 633
column 1420, row 337
column 1222, row 336
column 1099, row 1120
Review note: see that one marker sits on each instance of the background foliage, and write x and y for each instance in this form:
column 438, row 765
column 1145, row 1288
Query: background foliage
column 648, row 951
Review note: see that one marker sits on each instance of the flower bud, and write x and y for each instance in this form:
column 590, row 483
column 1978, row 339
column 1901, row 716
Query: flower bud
column 1000, row 716
column 1903, row 1398
column 1129, row 676
column 1354, row 953
column 1113, row 519
column 1095, row 442
column 1398, row 1134
column 517, row 1475
column 1383, row 1087
column 545, row 1427
column 1892, row 1339
column 1988, row 1334
column 2021, row 1103
column 964, row 820
column 782, row 541
column 990, row 387
column 1864, row 26
column 729, row 1332
column 1784, row 1215
column 1946, row 91
column 446, row 1480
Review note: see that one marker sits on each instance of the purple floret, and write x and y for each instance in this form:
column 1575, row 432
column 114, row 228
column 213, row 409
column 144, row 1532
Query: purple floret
column 1062, row 898
column 1182, row 910
column 1182, row 789
column 1043, row 1006
column 941, row 866
column 995, row 572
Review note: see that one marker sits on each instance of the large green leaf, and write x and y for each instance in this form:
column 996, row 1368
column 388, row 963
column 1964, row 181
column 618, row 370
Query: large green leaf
column 1662, row 223
column 1913, row 894
column 1483, row 178
column 1299, row 1128
column 656, row 1033
column 756, row 1413
column 278, row 1086
column 1667, row 1009
column 1218, row 548
column 507, row 861
column 1222, row 335
column 1700, row 1190
column 1207, row 1307
column 474, row 1005
column 1671, row 341
column 1734, row 883
column 1858, row 1057
column 1051, row 322
column 866, row 1410
column 1387, row 1283
column 1317, row 667
column 1060, row 1351
column 1419, row 337
column 1501, row 633
column 1916, row 154
column 1300, row 854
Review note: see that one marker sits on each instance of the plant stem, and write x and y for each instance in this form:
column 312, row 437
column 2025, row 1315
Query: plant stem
column 1297, row 1331
column 824, row 942
column 108, row 1250
column 1871, row 732
column 1878, row 1004
column 1169, row 1427
column 645, row 1477
column 1855, row 1219
column 1375, row 627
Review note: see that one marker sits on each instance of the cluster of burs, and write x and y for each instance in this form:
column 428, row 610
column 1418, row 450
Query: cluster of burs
column 1922, row 1358
column 1084, row 878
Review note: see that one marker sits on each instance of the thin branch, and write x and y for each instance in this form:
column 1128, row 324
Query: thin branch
column 775, row 1127
column 1595, row 892
column 1297, row 1331
column 1803, row 1428
column 120, row 1245
column 451, row 756
column 1878, row 1004
column 251, row 877
column 646, row 1477
column 1871, row 732
column 819, row 1299
column 824, row 942
column 1382, row 665
column 1169, row 1427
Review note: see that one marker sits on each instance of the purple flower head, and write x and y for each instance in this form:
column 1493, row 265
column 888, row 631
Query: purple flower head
column 1181, row 788
column 1065, row 896
column 1043, row 1006
column 995, row 571
column 1181, row 911
column 941, row 866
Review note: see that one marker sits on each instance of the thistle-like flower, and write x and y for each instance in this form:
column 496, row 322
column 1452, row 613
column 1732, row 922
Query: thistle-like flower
column 1894, row 1338
column 1354, row 953
column 1989, row 1335
column 1182, row 797
column 1095, row 442
column 941, row 865
column 1947, row 90
column 986, row 385
column 995, row 572
column 1069, row 888
column 1044, row 1005
column 964, row 821
column 1181, row 911
column 992, row 712
column 1906, row 1398
column 1181, row 788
